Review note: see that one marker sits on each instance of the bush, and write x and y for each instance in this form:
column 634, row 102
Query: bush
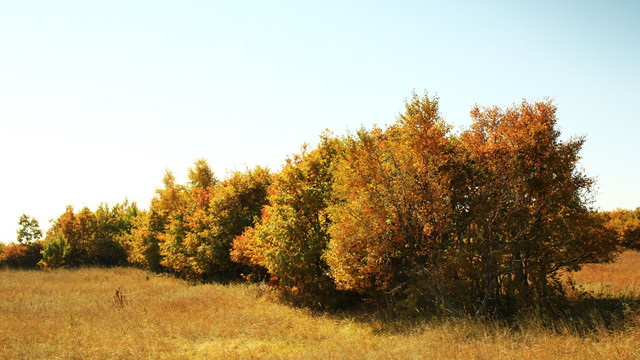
column 626, row 224
column 56, row 251
column 21, row 255
column 470, row 222
column 292, row 233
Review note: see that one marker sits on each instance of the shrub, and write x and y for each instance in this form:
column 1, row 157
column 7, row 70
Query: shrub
column 626, row 224
column 24, row 256
column 292, row 233
column 56, row 251
column 472, row 222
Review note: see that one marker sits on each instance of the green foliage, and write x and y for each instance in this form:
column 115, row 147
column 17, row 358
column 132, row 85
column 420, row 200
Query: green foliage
column 292, row 234
column 29, row 231
column 203, row 218
column 235, row 206
column 91, row 238
column 56, row 251
column 112, row 229
column 185, row 210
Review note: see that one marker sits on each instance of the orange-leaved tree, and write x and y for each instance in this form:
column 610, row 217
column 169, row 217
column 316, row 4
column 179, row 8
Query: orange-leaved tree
column 526, row 212
column 626, row 224
column 392, row 222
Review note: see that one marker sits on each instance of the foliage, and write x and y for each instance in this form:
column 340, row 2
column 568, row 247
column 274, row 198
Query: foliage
column 113, row 227
column 29, row 231
column 55, row 251
column 203, row 218
column 411, row 216
column 75, row 230
column 90, row 238
column 391, row 227
column 235, row 206
column 473, row 222
column 184, row 209
column 142, row 243
column 526, row 205
column 292, row 233
column 626, row 224
column 24, row 256
column 27, row 252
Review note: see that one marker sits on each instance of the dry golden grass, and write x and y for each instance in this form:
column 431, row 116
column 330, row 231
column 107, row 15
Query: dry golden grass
column 75, row 314
column 621, row 277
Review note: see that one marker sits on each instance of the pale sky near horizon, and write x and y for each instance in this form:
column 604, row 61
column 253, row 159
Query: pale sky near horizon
column 98, row 98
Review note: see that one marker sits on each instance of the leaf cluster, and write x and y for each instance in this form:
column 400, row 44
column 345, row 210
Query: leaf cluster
column 411, row 216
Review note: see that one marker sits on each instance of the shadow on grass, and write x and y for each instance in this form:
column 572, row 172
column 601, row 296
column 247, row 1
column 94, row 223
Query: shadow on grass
column 583, row 315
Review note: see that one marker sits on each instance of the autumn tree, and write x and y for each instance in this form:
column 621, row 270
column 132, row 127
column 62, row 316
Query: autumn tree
column 480, row 221
column 391, row 226
column 235, row 206
column 525, row 213
column 27, row 252
column 179, row 204
column 626, row 225
column 90, row 238
column 21, row 255
column 148, row 227
column 113, row 227
column 65, row 242
column 142, row 247
column 189, row 228
column 292, row 233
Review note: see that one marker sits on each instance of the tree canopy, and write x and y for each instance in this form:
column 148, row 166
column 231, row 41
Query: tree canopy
column 410, row 215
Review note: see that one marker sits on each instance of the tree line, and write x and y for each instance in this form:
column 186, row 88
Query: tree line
column 411, row 215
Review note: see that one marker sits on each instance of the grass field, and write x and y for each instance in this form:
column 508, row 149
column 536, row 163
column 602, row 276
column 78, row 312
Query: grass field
column 129, row 314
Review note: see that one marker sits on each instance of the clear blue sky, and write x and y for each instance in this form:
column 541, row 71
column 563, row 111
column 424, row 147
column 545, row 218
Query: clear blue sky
column 97, row 98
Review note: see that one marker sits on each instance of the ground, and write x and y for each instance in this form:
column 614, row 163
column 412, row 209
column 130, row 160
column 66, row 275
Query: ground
column 130, row 314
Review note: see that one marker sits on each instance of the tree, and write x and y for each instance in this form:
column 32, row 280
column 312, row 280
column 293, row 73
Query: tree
column 391, row 225
column 147, row 234
column 90, row 238
column 172, row 205
column 526, row 207
column 485, row 220
column 56, row 251
column 202, row 218
column 626, row 224
column 292, row 233
column 68, row 233
column 29, row 231
column 112, row 230
column 234, row 206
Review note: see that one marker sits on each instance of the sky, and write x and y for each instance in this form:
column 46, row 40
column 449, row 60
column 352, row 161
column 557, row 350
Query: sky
column 99, row 98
